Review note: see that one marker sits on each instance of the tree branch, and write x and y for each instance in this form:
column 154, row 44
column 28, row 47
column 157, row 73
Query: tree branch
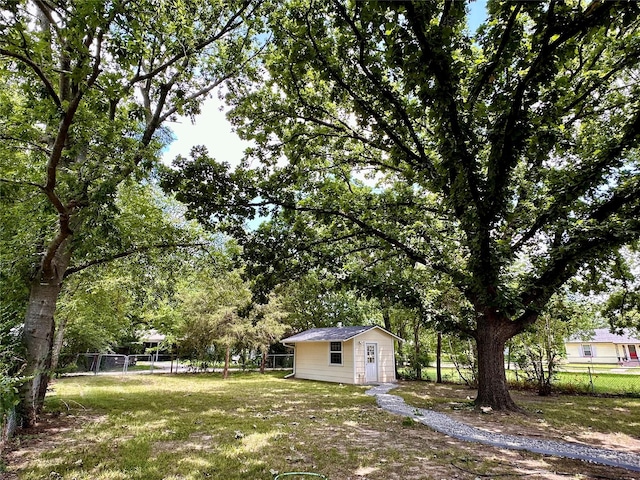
column 455, row 132
column 23, row 141
column 491, row 67
column 38, row 71
column 19, row 182
column 568, row 258
column 361, row 102
column 128, row 253
column 505, row 146
column 387, row 94
column 230, row 25
column 411, row 253
column 626, row 61
column 579, row 181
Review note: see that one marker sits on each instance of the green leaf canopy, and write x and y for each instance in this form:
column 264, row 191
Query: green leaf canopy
column 504, row 160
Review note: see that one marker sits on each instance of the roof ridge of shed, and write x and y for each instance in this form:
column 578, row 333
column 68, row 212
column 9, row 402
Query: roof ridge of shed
column 333, row 334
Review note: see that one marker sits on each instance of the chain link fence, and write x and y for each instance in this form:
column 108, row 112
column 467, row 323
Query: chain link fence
column 103, row 363
column 599, row 380
column 281, row 361
column 97, row 363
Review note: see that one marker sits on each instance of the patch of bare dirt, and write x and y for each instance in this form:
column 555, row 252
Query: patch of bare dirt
column 528, row 424
column 196, row 442
column 517, row 424
column 52, row 431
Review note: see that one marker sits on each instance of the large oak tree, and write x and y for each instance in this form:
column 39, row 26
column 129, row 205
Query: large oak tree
column 505, row 159
column 91, row 85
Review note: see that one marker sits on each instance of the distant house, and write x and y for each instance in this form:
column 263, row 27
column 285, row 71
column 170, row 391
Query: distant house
column 152, row 339
column 604, row 347
column 354, row 355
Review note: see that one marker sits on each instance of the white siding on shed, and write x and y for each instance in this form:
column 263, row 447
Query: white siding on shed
column 313, row 354
column 312, row 362
column 386, row 356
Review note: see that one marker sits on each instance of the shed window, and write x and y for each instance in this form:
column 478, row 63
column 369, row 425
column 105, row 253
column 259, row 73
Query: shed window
column 586, row 351
column 335, row 353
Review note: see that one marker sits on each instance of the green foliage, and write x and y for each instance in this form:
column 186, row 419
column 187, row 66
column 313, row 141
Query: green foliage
column 11, row 364
column 269, row 324
column 9, row 397
column 106, row 306
column 24, row 225
column 317, row 300
column 210, row 314
column 464, row 356
column 408, row 422
column 470, row 143
column 98, row 312
column 90, row 87
column 539, row 351
column 506, row 161
column 622, row 307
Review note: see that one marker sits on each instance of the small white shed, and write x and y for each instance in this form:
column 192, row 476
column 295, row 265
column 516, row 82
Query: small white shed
column 355, row 355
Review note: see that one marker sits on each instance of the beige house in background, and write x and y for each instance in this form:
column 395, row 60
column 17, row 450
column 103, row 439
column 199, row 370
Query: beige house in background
column 354, row 355
column 604, row 347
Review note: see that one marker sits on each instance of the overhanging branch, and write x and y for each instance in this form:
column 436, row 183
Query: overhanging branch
column 38, row 71
column 568, row 257
column 128, row 253
column 230, row 25
column 580, row 181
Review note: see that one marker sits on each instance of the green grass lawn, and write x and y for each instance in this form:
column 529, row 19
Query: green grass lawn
column 190, row 427
column 604, row 382
column 198, row 426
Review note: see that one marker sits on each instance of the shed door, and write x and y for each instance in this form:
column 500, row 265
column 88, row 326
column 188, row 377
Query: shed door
column 633, row 353
column 371, row 362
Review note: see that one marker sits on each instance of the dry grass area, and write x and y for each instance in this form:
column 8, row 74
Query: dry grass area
column 190, row 427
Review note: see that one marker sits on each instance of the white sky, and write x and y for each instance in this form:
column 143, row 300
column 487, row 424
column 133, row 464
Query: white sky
column 212, row 130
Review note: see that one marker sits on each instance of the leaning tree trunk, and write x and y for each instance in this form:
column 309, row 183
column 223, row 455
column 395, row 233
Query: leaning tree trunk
column 38, row 332
column 491, row 337
column 38, row 340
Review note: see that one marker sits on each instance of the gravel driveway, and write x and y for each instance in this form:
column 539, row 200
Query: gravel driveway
column 453, row 428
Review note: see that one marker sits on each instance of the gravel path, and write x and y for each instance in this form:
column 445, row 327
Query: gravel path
column 445, row 424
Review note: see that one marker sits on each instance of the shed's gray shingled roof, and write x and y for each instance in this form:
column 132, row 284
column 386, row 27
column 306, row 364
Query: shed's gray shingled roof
column 330, row 334
column 603, row 335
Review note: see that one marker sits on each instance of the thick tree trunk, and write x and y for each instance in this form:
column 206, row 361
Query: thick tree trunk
column 38, row 340
column 263, row 362
column 37, row 334
column 493, row 390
